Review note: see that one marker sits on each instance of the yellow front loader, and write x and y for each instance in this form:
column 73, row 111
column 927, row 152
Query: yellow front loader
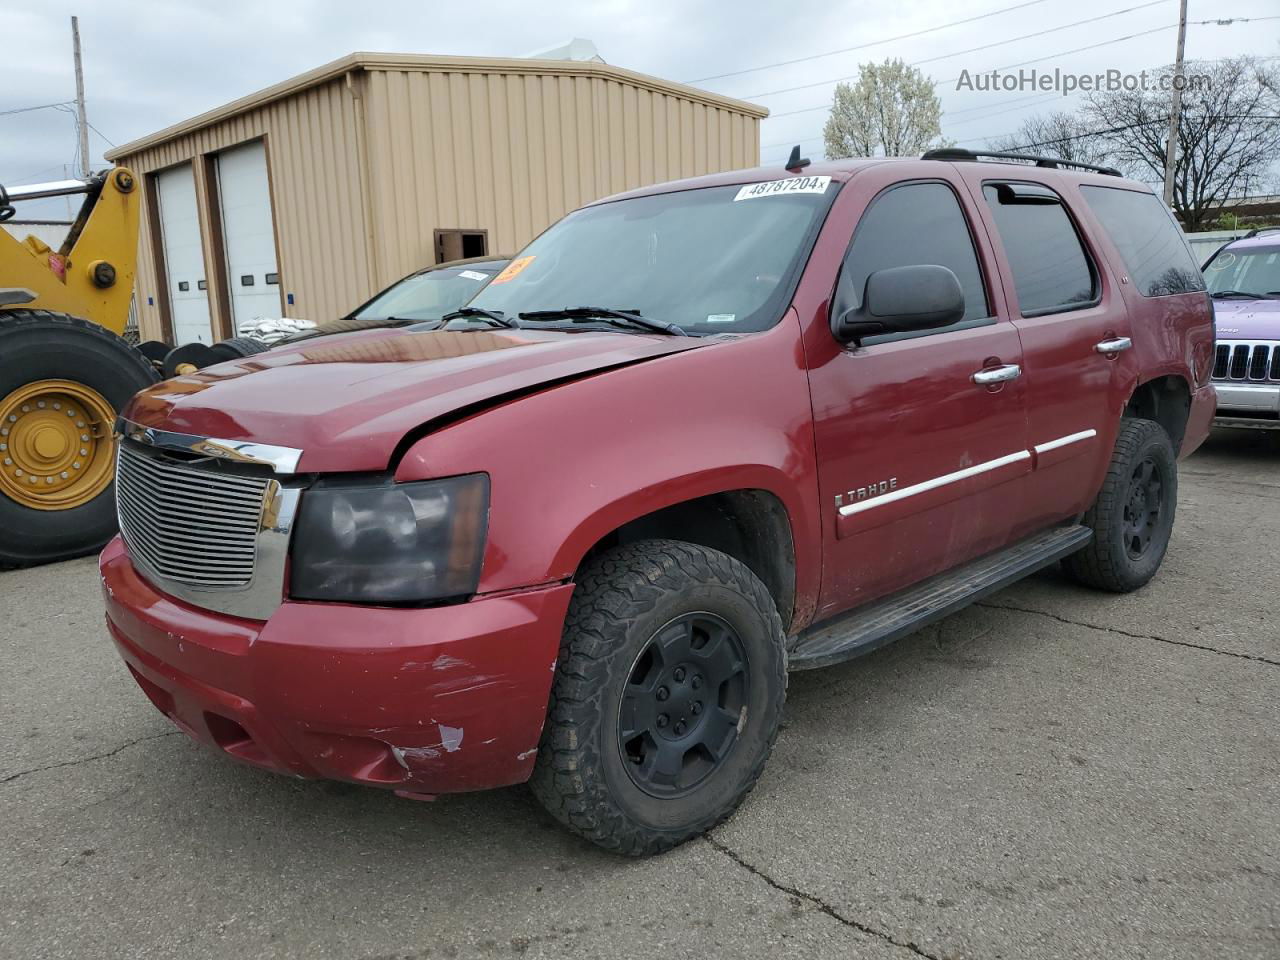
column 65, row 370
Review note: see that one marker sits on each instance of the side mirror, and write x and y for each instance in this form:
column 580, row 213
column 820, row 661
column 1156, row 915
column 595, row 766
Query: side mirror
column 902, row 299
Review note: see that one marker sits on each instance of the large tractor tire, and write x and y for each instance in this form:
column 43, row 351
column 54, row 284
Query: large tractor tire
column 62, row 382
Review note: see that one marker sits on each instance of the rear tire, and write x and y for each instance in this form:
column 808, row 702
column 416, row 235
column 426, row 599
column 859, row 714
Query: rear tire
column 622, row 765
column 37, row 346
column 1132, row 518
column 237, row 348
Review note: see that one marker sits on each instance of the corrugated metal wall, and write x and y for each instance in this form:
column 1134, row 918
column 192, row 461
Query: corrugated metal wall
column 512, row 154
column 499, row 149
column 315, row 190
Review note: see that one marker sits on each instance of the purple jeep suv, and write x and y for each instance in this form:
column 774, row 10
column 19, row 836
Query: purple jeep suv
column 1244, row 280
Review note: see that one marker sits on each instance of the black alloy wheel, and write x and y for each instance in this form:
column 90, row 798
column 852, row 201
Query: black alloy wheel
column 1143, row 507
column 667, row 696
column 682, row 705
column 1132, row 516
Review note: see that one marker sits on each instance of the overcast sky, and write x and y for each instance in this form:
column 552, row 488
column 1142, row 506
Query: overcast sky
column 151, row 63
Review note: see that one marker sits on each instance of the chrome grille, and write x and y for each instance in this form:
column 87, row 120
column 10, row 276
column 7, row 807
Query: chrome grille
column 189, row 524
column 1246, row 362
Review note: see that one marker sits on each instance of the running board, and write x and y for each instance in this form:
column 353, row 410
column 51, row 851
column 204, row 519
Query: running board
column 883, row 621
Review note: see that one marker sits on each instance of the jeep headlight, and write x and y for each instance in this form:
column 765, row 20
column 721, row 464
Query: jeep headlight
column 401, row 543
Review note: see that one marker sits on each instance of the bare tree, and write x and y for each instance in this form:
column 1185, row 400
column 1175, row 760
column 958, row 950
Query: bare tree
column 1228, row 136
column 891, row 110
column 1057, row 134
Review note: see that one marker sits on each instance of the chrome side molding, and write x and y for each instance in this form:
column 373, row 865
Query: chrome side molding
column 1065, row 441
column 279, row 459
column 848, row 510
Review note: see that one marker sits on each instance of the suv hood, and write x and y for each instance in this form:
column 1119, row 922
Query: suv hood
column 1247, row 319
column 349, row 400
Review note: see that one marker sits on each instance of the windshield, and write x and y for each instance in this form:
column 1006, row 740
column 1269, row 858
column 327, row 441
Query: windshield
column 715, row 260
column 1254, row 272
column 431, row 294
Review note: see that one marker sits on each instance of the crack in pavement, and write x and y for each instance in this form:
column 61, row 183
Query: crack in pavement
column 1135, row 636
column 822, row 905
column 97, row 756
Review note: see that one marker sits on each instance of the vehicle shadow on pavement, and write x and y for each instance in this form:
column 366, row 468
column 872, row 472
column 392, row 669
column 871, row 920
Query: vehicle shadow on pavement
column 1251, row 446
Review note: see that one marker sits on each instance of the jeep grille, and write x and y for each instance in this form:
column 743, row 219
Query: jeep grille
column 1239, row 361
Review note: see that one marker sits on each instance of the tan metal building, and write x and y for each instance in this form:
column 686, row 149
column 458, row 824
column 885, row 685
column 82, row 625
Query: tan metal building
column 307, row 197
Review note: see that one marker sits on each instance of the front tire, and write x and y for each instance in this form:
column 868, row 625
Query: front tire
column 1132, row 519
column 667, row 696
column 62, row 382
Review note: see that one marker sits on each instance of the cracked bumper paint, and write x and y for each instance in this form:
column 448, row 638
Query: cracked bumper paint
column 436, row 700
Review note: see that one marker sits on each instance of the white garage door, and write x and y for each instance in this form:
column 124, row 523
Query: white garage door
column 183, row 255
column 248, row 233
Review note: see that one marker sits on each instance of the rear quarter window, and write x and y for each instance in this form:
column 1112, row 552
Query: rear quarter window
column 1051, row 272
column 1151, row 244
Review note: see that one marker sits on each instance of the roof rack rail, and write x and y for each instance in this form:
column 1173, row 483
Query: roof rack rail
column 960, row 153
column 1259, row 230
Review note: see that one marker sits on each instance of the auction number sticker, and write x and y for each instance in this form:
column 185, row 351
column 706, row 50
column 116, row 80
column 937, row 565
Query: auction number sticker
column 773, row 188
column 512, row 269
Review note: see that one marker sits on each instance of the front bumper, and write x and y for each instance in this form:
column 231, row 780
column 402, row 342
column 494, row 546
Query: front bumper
column 1248, row 405
column 435, row 700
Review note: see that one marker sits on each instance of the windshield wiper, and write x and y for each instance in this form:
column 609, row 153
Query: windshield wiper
column 631, row 318
column 1233, row 294
column 496, row 317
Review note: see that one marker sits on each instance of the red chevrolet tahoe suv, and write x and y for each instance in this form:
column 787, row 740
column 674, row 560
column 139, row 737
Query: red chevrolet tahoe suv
column 693, row 436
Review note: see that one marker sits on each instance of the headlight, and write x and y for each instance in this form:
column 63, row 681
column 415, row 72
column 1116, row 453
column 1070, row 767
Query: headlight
column 395, row 543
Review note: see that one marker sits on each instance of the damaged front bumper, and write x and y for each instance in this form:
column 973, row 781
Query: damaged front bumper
column 424, row 701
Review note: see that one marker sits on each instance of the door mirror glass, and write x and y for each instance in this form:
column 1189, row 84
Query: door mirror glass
column 902, row 299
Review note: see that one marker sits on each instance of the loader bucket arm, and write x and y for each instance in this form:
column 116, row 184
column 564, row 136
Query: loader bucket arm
column 92, row 275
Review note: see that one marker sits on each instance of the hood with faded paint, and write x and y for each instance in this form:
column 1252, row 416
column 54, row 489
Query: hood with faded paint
column 1247, row 319
column 347, row 401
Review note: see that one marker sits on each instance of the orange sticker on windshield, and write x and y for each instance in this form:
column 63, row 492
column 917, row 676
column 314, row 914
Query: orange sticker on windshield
column 512, row 269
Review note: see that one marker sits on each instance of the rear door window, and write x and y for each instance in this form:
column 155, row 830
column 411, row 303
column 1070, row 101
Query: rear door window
column 909, row 224
column 1051, row 271
column 1150, row 242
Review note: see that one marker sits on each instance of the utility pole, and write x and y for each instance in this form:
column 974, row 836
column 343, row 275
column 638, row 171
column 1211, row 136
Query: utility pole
column 1175, row 109
column 82, row 125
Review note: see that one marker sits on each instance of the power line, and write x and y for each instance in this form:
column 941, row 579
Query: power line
column 1097, row 133
column 1040, row 33
column 827, row 106
column 863, row 46
column 1197, row 23
column 14, row 181
column 109, row 141
column 1007, row 108
column 1062, row 53
column 42, row 106
column 1036, row 96
column 1094, row 46
column 988, row 106
column 1067, row 139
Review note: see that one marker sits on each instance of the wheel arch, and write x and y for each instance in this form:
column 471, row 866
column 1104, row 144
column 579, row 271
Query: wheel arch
column 1165, row 400
column 749, row 523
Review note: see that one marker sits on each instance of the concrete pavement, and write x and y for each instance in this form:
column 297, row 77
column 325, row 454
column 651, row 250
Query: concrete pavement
column 1053, row 773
